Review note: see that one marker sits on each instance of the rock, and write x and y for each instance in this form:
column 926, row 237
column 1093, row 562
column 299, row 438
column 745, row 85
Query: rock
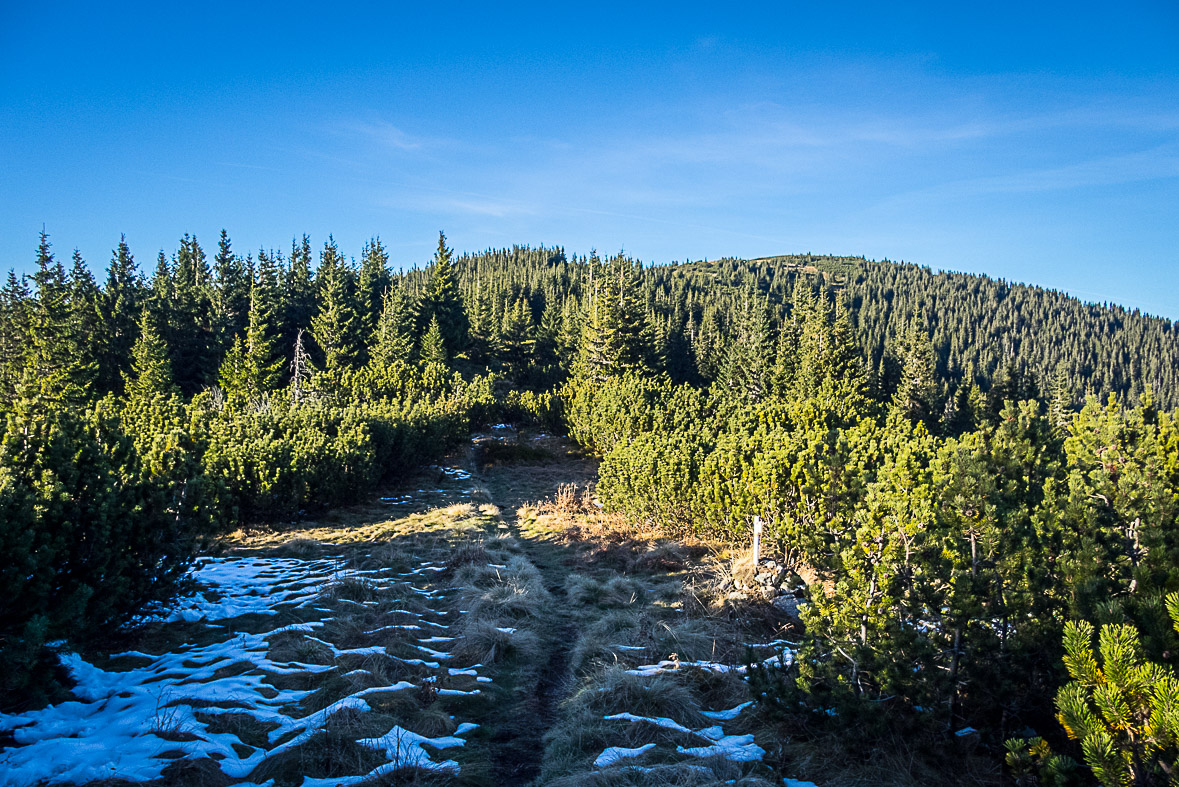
column 788, row 606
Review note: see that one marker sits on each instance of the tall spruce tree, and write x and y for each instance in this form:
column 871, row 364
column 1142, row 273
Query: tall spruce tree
column 372, row 283
column 299, row 290
column 264, row 361
column 86, row 321
column 54, row 368
column 335, row 326
column 190, row 336
column 442, row 299
column 394, row 339
column 15, row 325
column 483, row 337
column 151, row 369
column 746, row 373
column 916, row 393
column 230, row 295
column 518, row 339
column 120, row 305
column 616, row 338
column 1060, row 403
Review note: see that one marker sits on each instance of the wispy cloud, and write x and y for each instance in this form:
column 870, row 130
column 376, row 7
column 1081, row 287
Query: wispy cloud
column 1157, row 163
column 387, row 135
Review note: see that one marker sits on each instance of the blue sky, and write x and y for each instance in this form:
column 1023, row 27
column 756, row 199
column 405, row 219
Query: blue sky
column 1031, row 141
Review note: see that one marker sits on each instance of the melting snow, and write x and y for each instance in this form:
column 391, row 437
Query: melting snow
column 121, row 722
column 613, row 754
column 657, row 720
column 738, row 748
column 726, row 715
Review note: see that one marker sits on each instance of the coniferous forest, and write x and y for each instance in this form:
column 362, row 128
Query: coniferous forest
column 976, row 481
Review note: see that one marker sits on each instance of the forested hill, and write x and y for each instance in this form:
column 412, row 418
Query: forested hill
column 1026, row 340
column 980, row 323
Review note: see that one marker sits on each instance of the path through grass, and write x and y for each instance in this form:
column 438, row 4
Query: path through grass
column 486, row 625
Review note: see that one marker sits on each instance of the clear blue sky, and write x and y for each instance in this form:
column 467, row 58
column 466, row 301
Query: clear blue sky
column 1022, row 140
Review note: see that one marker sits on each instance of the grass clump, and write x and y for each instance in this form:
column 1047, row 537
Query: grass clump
column 617, row 591
column 468, row 554
column 512, row 600
column 598, row 644
column 331, row 754
column 294, row 646
column 616, row 690
column 486, row 642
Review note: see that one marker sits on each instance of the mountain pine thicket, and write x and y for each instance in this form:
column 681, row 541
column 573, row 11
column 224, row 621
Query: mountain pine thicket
column 962, row 467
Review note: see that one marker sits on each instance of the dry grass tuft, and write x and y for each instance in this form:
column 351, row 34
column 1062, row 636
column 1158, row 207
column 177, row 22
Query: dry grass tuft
column 471, row 553
column 353, row 588
column 615, row 592
column 326, row 755
column 615, row 690
column 597, row 646
column 291, row 646
column 511, row 600
column 487, row 642
column 474, row 576
column 667, row 556
column 570, row 500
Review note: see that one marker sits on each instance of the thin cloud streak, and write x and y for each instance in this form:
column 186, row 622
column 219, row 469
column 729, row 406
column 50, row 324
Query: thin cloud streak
column 1160, row 163
column 387, row 135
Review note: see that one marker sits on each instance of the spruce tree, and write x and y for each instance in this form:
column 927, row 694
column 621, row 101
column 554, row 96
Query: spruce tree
column 86, row 319
column 394, row 340
column 151, row 369
column 442, row 299
column 161, row 289
column 616, row 336
column 1060, row 403
column 677, row 347
column 548, row 334
column 916, row 393
column 483, row 337
column 121, row 304
column 335, row 326
column 233, row 377
column 230, row 295
column 372, row 283
column 745, row 373
column 190, row 337
column 15, row 325
column 518, row 339
column 263, row 359
column 433, row 345
column 299, row 289
column 707, row 348
column 54, row 366
column 785, row 358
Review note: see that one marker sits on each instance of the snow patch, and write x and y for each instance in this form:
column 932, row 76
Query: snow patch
column 613, row 754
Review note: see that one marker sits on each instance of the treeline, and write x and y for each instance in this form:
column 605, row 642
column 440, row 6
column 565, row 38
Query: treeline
column 143, row 417
column 1024, row 340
